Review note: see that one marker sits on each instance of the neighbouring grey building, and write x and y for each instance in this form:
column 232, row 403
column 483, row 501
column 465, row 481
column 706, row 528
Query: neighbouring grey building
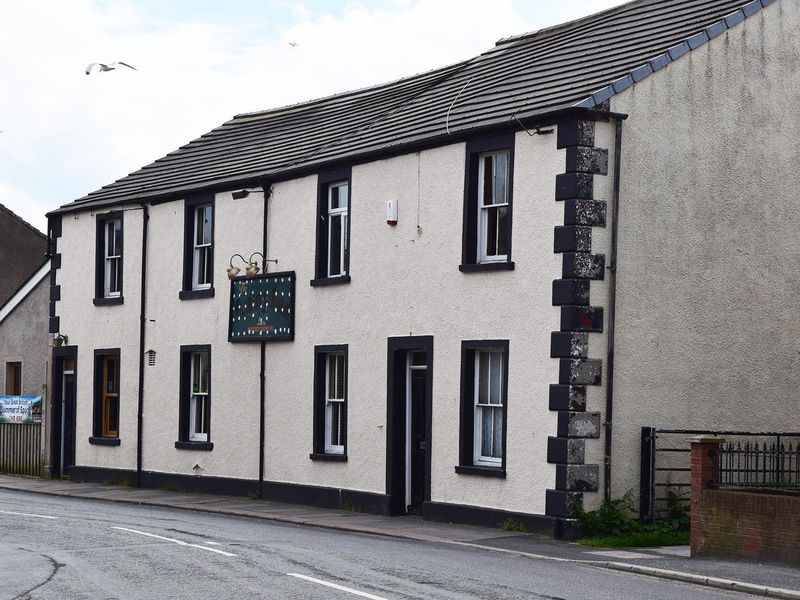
column 481, row 269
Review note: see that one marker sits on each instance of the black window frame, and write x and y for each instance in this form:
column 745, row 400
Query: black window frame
column 98, row 438
column 100, row 299
column 466, row 455
column 321, row 354
column 184, row 411
column 190, row 205
column 324, row 180
column 470, row 228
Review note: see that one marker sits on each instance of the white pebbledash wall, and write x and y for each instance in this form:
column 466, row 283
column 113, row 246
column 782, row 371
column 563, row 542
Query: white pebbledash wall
column 707, row 329
column 405, row 281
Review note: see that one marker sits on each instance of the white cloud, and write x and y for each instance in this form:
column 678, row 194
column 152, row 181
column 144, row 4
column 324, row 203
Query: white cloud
column 66, row 134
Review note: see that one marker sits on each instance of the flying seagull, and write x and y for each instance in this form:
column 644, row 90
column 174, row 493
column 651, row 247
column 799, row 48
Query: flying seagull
column 108, row 67
column 293, row 44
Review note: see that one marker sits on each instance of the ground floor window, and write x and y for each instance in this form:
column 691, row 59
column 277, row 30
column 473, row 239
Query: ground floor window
column 13, row 379
column 195, row 395
column 330, row 402
column 106, row 393
column 484, row 388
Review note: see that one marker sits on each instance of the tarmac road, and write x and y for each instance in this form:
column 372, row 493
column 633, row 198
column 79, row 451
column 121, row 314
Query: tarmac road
column 64, row 548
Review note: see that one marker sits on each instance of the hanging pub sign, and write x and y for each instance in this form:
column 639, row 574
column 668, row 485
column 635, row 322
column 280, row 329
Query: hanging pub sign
column 262, row 308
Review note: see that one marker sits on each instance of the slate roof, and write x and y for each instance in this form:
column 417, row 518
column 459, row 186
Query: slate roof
column 580, row 63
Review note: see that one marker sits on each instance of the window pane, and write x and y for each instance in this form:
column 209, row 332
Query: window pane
column 200, row 414
column 340, row 376
column 490, row 215
column 335, row 245
column 113, row 415
column 495, row 394
column 502, row 230
column 486, row 431
column 331, row 375
column 497, row 440
column 483, row 378
column 338, row 195
column 111, row 376
column 336, row 424
column 207, row 224
column 205, row 372
column 113, row 275
column 486, row 184
column 500, row 176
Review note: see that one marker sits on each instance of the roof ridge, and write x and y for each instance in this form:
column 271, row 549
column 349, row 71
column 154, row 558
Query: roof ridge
column 21, row 220
column 561, row 26
column 353, row 92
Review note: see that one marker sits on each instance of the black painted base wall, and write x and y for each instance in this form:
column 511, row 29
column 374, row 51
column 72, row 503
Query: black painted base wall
column 309, row 495
column 555, row 527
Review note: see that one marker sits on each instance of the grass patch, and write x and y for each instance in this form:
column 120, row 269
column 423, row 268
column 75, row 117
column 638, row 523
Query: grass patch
column 512, row 525
column 614, row 525
column 641, row 539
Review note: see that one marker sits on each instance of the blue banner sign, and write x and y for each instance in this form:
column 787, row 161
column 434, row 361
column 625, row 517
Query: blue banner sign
column 20, row 409
column 262, row 308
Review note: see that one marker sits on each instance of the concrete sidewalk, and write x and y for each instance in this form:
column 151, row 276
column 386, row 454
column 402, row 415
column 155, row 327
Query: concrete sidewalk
column 669, row 562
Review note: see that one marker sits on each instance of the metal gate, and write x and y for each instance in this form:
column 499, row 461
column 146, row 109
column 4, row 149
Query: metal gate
column 666, row 469
column 21, row 448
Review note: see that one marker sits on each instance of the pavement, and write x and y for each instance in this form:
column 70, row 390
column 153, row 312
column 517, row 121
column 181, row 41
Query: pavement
column 670, row 562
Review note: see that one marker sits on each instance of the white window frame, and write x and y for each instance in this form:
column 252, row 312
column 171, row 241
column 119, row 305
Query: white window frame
column 332, row 400
column 480, row 407
column 109, row 258
column 341, row 212
column 203, row 246
column 483, row 220
column 201, row 396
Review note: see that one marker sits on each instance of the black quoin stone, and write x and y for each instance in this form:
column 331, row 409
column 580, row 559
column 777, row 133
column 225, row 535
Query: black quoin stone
column 582, row 318
column 570, row 291
column 567, row 397
column 574, row 185
column 574, row 132
column 587, row 160
column 585, row 212
column 572, row 238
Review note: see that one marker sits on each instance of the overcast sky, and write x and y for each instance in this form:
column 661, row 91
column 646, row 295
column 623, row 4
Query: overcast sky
column 199, row 62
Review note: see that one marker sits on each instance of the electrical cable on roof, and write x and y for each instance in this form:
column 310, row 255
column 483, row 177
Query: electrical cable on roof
column 447, row 118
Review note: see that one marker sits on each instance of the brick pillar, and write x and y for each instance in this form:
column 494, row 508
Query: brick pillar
column 705, row 475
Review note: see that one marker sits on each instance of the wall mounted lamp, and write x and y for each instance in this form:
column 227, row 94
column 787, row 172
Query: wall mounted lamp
column 251, row 267
column 244, row 193
column 60, row 340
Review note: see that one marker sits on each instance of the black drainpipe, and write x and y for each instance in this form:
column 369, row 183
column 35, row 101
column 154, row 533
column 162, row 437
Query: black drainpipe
column 142, row 317
column 612, row 308
column 263, row 392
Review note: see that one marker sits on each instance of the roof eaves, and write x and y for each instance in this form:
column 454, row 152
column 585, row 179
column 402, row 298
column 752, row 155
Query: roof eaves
column 23, row 291
column 673, row 53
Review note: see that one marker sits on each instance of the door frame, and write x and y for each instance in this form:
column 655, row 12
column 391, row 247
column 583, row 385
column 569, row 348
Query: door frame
column 56, row 414
column 396, row 425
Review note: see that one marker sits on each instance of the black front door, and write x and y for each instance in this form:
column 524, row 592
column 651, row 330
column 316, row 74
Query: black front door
column 69, row 422
column 408, row 440
column 62, row 410
column 418, row 389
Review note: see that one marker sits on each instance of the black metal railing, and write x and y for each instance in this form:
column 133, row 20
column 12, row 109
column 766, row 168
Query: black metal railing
column 665, row 474
column 774, row 466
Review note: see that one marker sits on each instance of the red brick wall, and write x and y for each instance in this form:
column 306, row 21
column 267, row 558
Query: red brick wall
column 748, row 524
column 760, row 525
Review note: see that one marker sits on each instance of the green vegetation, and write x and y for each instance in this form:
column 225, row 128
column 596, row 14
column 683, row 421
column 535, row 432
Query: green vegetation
column 512, row 525
column 613, row 525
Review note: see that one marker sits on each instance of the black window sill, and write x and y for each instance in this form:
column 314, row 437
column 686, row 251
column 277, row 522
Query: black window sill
column 329, row 457
column 482, row 471
column 104, row 441
column 322, row 281
column 204, row 446
column 195, row 294
column 108, row 301
column 490, row 266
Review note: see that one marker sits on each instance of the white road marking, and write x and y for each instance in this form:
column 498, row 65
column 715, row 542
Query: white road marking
column 174, row 541
column 336, row 586
column 8, row 512
column 211, row 543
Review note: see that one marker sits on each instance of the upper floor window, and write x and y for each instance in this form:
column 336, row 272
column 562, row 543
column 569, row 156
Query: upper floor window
column 333, row 228
column 198, row 253
column 488, row 204
column 108, row 273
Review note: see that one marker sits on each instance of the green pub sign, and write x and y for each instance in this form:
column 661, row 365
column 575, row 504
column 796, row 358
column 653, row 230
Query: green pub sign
column 262, row 308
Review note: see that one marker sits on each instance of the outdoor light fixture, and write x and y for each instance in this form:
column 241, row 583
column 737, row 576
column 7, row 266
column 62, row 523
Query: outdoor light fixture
column 251, row 267
column 59, row 340
column 244, row 193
